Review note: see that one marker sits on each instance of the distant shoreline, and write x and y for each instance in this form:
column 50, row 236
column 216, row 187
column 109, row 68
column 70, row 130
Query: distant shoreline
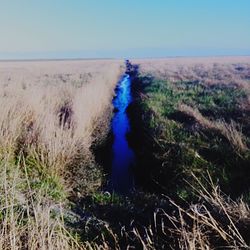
column 55, row 59
column 117, row 58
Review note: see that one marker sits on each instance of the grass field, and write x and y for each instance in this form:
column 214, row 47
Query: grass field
column 195, row 115
column 190, row 131
column 199, row 114
column 52, row 112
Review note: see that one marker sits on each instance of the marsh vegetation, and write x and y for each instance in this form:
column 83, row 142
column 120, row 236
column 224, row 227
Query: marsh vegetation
column 51, row 114
column 194, row 119
column 189, row 136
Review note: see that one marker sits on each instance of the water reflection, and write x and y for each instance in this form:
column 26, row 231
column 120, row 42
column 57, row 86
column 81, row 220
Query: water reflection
column 123, row 157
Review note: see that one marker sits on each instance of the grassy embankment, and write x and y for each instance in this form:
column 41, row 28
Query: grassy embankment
column 51, row 113
column 198, row 117
column 195, row 117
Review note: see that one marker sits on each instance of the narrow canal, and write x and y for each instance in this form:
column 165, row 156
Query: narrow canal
column 121, row 179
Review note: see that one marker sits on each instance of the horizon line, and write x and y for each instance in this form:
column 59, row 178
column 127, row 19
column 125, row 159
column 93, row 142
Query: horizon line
column 116, row 58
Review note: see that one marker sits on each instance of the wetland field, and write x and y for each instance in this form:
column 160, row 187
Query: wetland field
column 134, row 154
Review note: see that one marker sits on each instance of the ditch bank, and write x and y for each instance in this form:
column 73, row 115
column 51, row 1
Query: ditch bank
column 128, row 205
column 126, row 155
column 140, row 138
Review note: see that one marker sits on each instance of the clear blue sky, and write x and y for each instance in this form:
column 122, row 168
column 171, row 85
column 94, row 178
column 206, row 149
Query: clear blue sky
column 121, row 28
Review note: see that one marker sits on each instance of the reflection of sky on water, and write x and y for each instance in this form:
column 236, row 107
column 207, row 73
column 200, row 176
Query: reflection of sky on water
column 122, row 156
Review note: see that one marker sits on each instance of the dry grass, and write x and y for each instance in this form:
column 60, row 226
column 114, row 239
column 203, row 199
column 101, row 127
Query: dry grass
column 224, row 73
column 214, row 222
column 209, row 70
column 230, row 131
column 51, row 113
column 26, row 218
column 54, row 107
column 191, row 97
column 216, row 219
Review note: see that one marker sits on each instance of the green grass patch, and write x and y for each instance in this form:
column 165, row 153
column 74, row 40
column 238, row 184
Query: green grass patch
column 105, row 198
column 184, row 146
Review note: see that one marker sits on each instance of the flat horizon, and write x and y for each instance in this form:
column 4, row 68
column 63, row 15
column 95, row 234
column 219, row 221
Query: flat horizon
column 117, row 58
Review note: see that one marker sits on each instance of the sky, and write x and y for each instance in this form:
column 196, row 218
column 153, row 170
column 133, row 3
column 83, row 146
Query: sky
column 123, row 28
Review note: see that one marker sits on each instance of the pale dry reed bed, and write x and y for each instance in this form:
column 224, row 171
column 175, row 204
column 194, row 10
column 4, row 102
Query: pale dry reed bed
column 193, row 67
column 51, row 113
column 206, row 70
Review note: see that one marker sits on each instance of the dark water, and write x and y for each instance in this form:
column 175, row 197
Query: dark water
column 123, row 157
